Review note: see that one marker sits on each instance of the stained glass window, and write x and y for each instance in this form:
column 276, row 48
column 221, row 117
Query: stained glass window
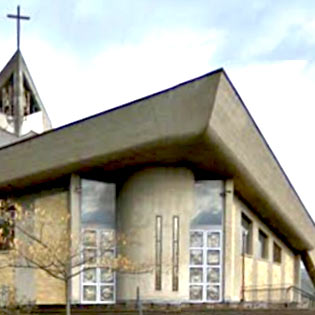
column 205, row 266
column 89, row 293
column 98, row 284
column 195, row 293
column 107, row 293
column 213, row 275
column 89, row 275
column 213, row 293
column 196, row 239
column 196, row 275
column 213, row 239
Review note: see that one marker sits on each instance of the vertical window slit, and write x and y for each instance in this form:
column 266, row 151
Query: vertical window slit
column 175, row 252
column 158, row 253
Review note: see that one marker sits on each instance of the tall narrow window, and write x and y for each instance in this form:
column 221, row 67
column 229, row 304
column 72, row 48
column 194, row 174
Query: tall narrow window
column 205, row 253
column 98, row 282
column 158, row 253
column 262, row 245
column 175, row 252
column 246, row 235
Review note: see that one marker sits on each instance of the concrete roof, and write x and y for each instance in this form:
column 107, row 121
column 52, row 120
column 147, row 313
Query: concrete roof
column 202, row 123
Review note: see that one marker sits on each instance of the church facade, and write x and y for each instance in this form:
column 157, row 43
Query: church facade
column 185, row 175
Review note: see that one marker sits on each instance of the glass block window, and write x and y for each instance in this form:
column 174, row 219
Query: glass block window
column 205, row 266
column 97, row 283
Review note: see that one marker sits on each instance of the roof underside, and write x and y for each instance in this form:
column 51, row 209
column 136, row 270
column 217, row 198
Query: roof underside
column 201, row 123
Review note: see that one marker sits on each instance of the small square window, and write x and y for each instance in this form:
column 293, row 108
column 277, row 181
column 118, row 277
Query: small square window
column 262, row 245
column 276, row 253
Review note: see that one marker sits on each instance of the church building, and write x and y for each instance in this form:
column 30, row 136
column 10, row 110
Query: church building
column 185, row 174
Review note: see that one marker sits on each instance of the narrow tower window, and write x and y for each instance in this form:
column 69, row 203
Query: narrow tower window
column 158, row 253
column 175, row 252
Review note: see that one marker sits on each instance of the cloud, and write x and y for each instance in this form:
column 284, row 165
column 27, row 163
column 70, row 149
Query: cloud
column 72, row 89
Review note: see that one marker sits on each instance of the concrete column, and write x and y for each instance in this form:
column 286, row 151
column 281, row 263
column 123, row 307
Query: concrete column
column 231, row 251
column 151, row 192
column 297, row 271
column 254, row 278
column 75, row 226
column 238, row 272
column 271, row 296
column 297, row 277
column 18, row 98
column 308, row 258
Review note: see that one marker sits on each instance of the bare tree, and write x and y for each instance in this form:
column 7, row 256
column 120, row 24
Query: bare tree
column 9, row 305
column 38, row 240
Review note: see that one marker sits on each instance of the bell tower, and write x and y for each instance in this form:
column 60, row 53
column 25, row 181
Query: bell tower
column 21, row 110
column 22, row 113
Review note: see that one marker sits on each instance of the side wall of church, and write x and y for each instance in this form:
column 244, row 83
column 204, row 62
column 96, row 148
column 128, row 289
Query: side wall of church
column 263, row 274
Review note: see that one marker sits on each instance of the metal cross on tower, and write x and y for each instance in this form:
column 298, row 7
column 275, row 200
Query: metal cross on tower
column 18, row 17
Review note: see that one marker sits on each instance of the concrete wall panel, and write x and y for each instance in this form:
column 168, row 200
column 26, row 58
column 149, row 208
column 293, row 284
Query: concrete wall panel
column 165, row 192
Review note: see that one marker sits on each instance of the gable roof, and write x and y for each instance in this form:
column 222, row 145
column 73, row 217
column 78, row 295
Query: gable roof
column 202, row 123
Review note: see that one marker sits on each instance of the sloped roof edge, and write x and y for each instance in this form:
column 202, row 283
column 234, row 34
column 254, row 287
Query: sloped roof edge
column 268, row 146
column 119, row 107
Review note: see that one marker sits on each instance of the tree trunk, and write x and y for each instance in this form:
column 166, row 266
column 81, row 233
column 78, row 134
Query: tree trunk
column 68, row 296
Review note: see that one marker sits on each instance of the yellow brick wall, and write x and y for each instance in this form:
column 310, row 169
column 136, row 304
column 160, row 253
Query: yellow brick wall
column 262, row 281
column 249, row 269
column 288, row 267
column 6, row 274
column 48, row 289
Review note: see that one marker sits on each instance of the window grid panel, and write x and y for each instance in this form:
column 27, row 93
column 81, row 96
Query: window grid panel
column 104, row 293
column 205, row 291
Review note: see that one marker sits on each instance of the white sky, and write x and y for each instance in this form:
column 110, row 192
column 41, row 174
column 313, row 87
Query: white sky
column 86, row 56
